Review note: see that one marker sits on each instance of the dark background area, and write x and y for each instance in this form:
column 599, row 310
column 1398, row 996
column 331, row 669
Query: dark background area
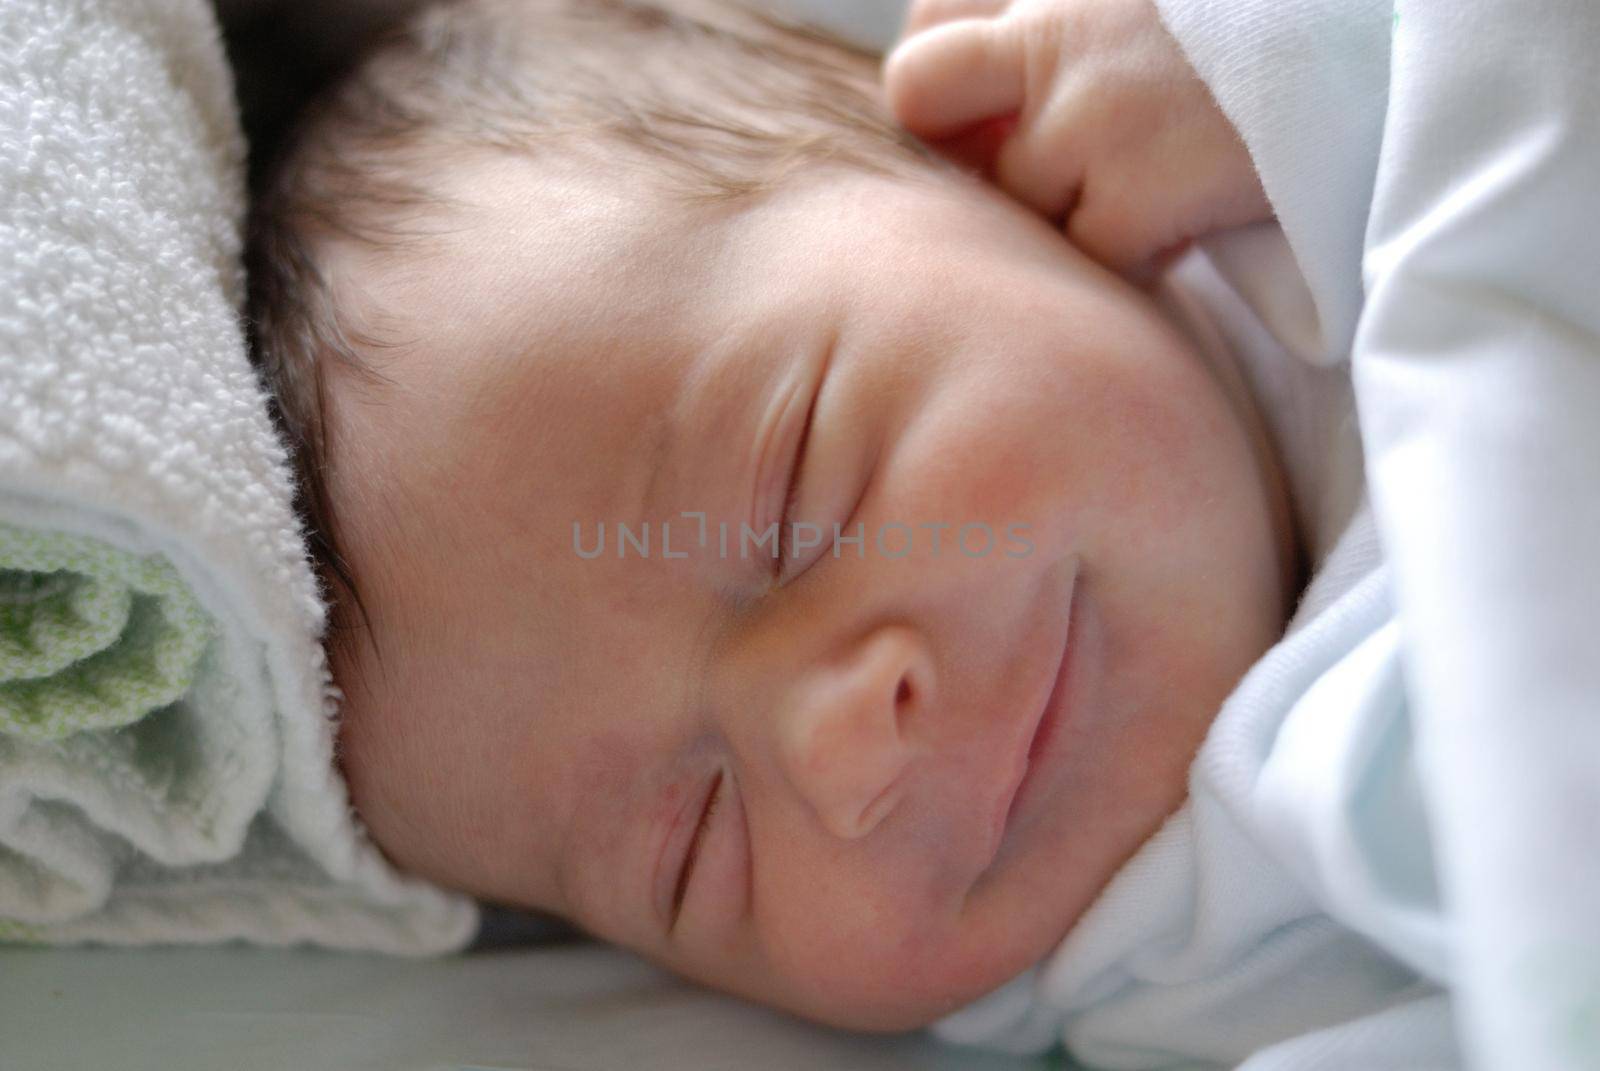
column 283, row 51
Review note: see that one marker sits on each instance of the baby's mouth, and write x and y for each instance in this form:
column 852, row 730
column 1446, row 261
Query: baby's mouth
column 1049, row 718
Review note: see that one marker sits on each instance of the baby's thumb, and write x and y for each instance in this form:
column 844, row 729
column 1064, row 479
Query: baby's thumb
column 942, row 82
column 1138, row 224
column 1110, row 225
column 978, row 148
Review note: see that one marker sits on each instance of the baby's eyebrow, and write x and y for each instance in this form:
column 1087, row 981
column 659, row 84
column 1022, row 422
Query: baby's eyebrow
column 664, row 434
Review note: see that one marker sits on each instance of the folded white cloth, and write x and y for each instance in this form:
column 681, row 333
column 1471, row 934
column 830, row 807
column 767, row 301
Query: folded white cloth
column 1462, row 284
column 131, row 421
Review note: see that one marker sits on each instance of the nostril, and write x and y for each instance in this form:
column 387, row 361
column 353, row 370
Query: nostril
column 902, row 704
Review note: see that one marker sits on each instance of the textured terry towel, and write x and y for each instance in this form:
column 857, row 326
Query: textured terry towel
column 166, row 715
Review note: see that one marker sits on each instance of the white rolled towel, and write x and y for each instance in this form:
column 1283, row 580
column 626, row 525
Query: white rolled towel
column 148, row 543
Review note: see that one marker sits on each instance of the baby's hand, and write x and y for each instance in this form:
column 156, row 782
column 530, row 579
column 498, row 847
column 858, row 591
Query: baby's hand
column 1086, row 110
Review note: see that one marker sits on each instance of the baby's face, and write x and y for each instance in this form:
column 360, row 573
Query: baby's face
column 546, row 725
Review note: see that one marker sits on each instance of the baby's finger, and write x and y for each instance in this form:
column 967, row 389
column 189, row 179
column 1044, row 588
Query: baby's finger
column 977, row 148
column 929, row 13
column 952, row 77
column 1119, row 224
column 1041, row 165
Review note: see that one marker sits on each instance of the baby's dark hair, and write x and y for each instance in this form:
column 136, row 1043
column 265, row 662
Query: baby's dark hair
column 706, row 100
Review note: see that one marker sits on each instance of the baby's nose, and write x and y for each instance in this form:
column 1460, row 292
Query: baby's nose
column 843, row 731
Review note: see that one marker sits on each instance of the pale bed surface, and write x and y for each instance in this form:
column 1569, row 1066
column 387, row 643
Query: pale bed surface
column 563, row 1007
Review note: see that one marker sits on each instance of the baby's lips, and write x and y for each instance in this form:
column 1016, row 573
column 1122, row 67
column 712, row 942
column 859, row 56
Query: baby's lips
column 978, row 148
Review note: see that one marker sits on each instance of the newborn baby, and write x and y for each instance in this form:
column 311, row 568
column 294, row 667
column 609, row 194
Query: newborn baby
column 768, row 543
column 754, row 536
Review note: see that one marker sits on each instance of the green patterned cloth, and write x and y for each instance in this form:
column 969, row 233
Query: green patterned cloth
column 91, row 637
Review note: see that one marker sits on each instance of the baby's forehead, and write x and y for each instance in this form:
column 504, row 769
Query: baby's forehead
column 525, row 267
column 527, row 392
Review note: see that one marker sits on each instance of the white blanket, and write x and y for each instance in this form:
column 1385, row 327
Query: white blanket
column 129, row 415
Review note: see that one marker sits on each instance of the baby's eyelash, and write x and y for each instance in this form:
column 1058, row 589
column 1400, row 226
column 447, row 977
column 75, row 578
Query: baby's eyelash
column 783, row 522
column 711, row 808
column 694, row 847
column 794, row 489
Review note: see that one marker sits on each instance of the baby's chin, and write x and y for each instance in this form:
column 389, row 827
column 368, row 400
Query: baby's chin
column 918, row 989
